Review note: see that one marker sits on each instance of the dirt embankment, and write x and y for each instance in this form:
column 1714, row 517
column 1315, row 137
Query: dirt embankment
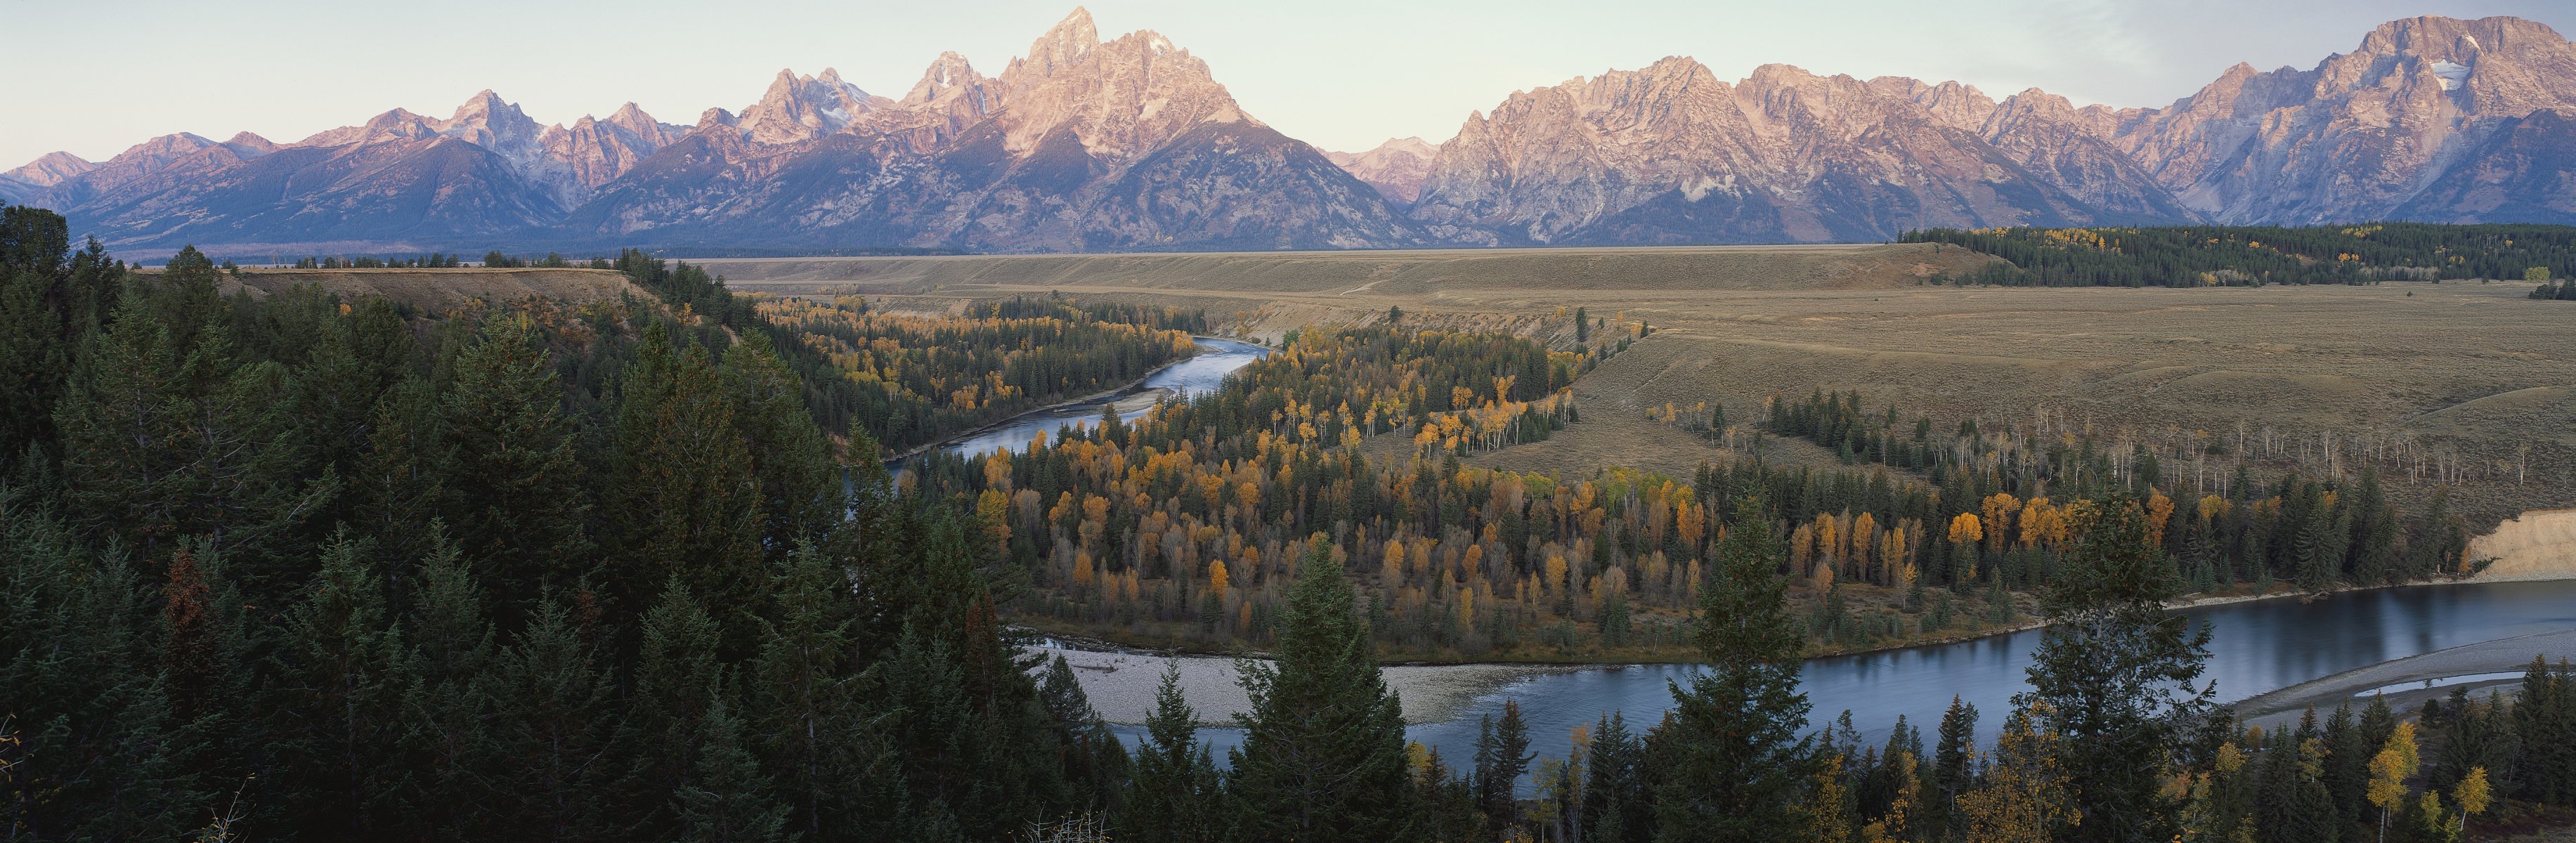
column 442, row 289
column 2536, row 545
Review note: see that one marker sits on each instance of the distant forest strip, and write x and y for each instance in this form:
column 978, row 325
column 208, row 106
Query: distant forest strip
column 2203, row 256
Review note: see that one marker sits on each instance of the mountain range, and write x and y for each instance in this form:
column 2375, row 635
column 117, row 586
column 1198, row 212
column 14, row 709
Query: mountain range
column 1130, row 144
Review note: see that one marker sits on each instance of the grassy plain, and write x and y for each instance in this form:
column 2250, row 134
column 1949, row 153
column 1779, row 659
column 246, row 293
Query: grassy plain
column 2474, row 376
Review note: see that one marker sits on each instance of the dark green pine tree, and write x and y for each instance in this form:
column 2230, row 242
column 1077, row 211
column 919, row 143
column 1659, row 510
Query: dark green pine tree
column 2291, row 803
column 1618, row 805
column 1502, row 757
column 166, row 433
column 335, row 718
column 2544, row 725
column 1953, row 771
column 1175, row 794
column 453, row 647
column 401, row 477
column 2347, row 764
column 683, row 501
column 549, row 763
column 91, row 749
column 1736, row 768
column 1323, row 748
column 800, row 487
column 2117, row 673
column 726, row 799
column 831, row 765
column 516, row 495
column 1090, row 752
column 678, row 684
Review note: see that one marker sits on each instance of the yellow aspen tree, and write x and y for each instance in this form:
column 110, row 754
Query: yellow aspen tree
column 1556, row 574
column 997, row 470
column 1864, row 537
column 1964, row 529
column 2159, row 511
column 1829, row 544
column 2473, row 793
column 2389, row 770
column 2025, row 798
column 1692, row 521
column 1802, row 548
column 1082, row 572
column 1216, row 577
column 1391, row 571
column 1897, row 824
column 1822, row 813
column 1467, row 604
column 1999, row 509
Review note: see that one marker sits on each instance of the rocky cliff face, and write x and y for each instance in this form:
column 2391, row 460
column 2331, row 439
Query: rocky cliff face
column 1396, row 168
column 2403, row 122
column 1671, row 154
column 1132, row 144
column 1080, row 144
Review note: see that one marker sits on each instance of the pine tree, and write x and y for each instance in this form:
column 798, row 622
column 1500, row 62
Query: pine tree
column 2115, row 672
column 684, row 502
column 515, row 483
column 1175, row 792
column 452, row 648
column 548, row 754
column 1323, row 748
column 1737, row 767
column 1951, row 766
column 1501, row 761
column 832, row 766
column 337, row 716
column 1090, row 753
column 1619, row 805
column 799, row 486
column 2544, row 724
column 725, row 799
column 88, row 742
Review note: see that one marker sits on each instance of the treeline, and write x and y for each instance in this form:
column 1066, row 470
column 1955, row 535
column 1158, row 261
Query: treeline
column 911, row 380
column 2192, row 256
column 497, row 259
column 294, row 567
column 1996, row 510
column 433, row 260
column 2554, row 290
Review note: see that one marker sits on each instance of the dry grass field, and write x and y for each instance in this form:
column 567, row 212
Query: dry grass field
column 2472, row 370
column 443, row 289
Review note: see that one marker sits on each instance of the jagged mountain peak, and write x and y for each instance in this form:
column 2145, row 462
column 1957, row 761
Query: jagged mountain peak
column 1396, row 168
column 1063, row 45
column 796, row 108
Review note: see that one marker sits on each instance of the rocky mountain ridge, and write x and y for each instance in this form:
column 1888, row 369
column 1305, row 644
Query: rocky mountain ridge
column 1130, row 143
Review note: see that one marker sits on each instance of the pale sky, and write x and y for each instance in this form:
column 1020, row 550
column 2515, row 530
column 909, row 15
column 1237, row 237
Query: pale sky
column 96, row 76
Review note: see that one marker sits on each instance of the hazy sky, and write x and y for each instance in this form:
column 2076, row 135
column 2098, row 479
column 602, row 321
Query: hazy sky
column 1342, row 74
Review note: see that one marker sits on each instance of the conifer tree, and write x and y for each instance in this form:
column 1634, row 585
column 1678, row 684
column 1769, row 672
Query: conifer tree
column 799, row 485
column 1952, row 761
column 684, row 502
column 2116, row 672
column 1619, row 804
column 831, row 765
column 549, row 752
column 2544, row 721
column 1323, row 748
column 515, row 483
column 725, row 799
column 86, row 736
column 1737, row 767
column 1174, row 796
column 337, row 717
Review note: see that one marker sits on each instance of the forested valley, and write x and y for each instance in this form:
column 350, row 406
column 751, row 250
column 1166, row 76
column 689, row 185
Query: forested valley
column 301, row 567
column 2193, row 256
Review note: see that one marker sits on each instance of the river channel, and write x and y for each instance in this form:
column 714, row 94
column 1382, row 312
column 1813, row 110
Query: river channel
column 1200, row 373
column 2255, row 646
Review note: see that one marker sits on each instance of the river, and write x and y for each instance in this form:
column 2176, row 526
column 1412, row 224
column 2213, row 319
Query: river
column 1203, row 372
column 2255, row 647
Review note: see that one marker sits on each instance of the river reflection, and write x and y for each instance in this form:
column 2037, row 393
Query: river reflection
column 1201, row 373
column 2255, row 647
